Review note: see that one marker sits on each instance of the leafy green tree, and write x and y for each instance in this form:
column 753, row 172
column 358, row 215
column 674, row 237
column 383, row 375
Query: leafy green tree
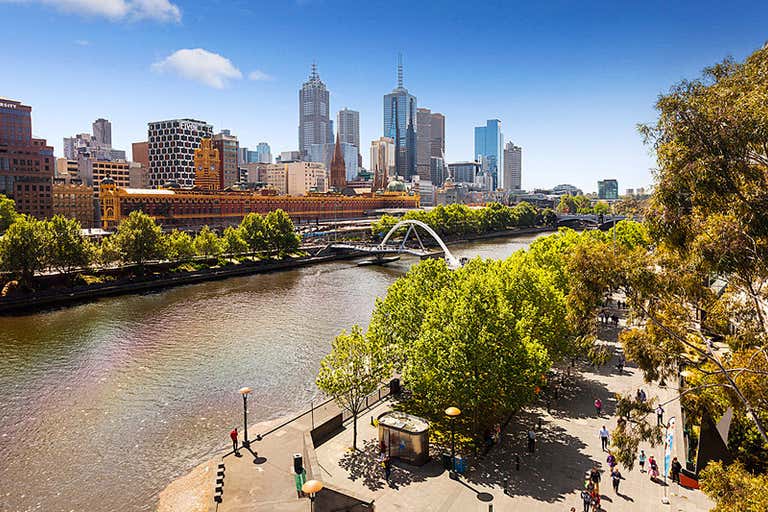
column 525, row 214
column 68, row 248
column 582, row 204
column 207, row 243
column 280, row 233
column 566, row 204
column 233, row 241
column 107, row 252
column 253, row 231
column 353, row 370
column 601, row 208
column 180, row 245
column 548, row 217
column 139, row 239
column 7, row 213
column 734, row 489
column 24, row 247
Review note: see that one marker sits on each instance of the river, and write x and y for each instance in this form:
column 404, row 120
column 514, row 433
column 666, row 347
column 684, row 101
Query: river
column 103, row 404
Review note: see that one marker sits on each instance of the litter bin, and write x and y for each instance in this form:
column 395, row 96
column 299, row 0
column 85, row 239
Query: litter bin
column 394, row 386
column 461, row 465
column 446, row 460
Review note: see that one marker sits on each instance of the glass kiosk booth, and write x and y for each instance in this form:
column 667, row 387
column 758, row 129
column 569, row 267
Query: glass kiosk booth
column 406, row 436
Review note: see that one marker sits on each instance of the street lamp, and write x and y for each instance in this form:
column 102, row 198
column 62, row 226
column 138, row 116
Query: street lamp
column 311, row 488
column 453, row 413
column 245, row 392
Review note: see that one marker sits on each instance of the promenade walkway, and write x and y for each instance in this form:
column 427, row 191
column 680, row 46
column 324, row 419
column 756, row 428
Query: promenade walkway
column 548, row 480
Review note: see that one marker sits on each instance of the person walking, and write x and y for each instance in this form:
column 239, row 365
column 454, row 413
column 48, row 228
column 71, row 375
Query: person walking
column 594, row 477
column 659, row 415
column 641, row 460
column 615, row 479
column 676, row 469
column 611, row 460
column 653, row 468
column 598, row 406
column 531, row 441
column 233, row 437
column 604, row 435
column 387, row 467
column 586, row 499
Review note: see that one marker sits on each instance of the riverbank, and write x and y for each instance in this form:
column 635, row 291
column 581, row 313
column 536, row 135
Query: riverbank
column 59, row 297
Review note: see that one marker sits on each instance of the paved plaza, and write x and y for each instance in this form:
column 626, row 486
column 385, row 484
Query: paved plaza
column 548, row 480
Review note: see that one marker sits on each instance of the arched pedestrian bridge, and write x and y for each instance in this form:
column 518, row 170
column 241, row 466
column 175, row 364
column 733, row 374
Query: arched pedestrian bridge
column 402, row 248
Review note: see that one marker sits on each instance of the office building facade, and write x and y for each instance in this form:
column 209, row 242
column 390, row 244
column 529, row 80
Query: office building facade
column 263, row 154
column 382, row 162
column 464, row 172
column 314, row 113
column 400, row 126
column 608, row 189
column 430, row 140
column 102, row 132
column 172, row 145
column 228, row 146
column 513, row 167
column 488, row 149
column 27, row 165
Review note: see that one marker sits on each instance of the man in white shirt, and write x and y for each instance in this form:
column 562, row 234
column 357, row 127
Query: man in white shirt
column 604, row 435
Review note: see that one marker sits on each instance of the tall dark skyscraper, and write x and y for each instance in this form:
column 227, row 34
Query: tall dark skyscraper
column 400, row 125
column 102, row 132
column 314, row 113
column 430, row 140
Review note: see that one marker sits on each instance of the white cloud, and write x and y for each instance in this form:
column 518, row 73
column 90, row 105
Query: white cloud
column 201, row 66
column 115, row 10
column 258, row 75
column 82, row 42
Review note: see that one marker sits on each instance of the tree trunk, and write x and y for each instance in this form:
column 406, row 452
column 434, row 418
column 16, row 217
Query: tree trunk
column 354, row 431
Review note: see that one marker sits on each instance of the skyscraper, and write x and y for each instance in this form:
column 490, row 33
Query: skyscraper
column 430, row 140
column 488, row 149
column 513, row 167
column 172, row 146
column 314, row 118
column 263, row 153
column 26, row 163
column 102, row 132
column 400, row 125
column 608, row 189
column 349, row 129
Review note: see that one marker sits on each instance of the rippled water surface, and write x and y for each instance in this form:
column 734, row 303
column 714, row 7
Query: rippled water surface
column 103, row 404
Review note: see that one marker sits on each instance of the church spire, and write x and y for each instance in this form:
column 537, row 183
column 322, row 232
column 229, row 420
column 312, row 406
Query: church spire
column 338, row 167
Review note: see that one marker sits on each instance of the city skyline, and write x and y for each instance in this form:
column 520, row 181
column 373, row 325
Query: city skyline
column 583, row 77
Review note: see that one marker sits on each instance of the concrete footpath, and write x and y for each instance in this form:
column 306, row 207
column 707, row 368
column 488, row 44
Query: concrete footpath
column 551, row 479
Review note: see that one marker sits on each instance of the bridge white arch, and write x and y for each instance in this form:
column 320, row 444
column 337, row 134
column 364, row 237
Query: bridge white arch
column 453, row 261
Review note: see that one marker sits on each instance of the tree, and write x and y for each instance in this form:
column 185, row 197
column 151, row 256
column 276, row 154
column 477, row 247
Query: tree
column 7, row 213
column 548, row 217
column 139, row 239
column 566, row 204
column 68, row 248
column 280, row 233
column 24, row 247
column 253, row 232
column 180, row 245
column 233, row 241
column 601, row 208
column 734, row 489
column 353, row 370
column 207, row 243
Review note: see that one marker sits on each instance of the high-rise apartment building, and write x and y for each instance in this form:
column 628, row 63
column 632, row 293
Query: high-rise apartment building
column 297, row 178
column 87, row 144
column 227, row 145
column 314, row 113
column 102, row 132
column 382, row 162
column 513, row 167
column 400, row 125
column 437, row 171
column 207, row 162
column 26, row 164
column 172, row 145
column 430, row 140
column 488, row 149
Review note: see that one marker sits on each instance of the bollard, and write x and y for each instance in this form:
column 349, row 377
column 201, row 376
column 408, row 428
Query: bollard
column 371, row 420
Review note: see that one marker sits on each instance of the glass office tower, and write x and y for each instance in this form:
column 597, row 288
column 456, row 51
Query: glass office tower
column 400, row 125
column 489, row 142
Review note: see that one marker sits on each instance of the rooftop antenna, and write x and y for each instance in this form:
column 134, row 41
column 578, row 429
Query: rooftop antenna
column 314, row 75
column 400, row 70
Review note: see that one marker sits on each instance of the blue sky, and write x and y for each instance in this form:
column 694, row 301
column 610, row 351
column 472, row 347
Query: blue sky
column 569, row 80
